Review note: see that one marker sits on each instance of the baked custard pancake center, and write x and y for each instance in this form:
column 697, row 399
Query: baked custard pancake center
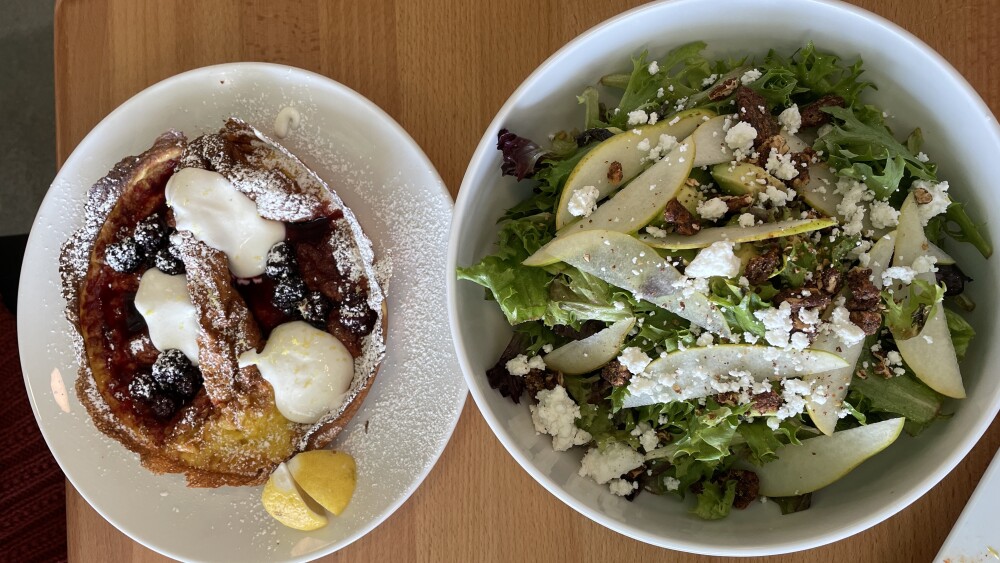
column 227, row 307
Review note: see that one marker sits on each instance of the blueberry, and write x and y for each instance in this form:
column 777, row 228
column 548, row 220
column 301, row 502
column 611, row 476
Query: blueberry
column 281, row 263
column 166, row 262
column 143, row 387
column 289, row 292
column 163, row 405
column 123, row 256
column 315, row 308
column 150, row 234
column 174, row 373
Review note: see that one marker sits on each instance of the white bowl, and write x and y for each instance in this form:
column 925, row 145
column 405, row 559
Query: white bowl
column 915, row 85
column 415, row 401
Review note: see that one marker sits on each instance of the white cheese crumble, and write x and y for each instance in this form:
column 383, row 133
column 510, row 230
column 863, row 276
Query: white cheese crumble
column 666, row 144
column 747, row 220
column 671, row 484
column 925, row 264
column 777, row 324
column 750, row 76
column 740, row 138
column 780, row 165
column 555, row 414
column 613, row 462
column 583, row 201
column 656, row 231
column 851, row 207
column 922, row 157
column 621, row 487
column 653, row 67
column 637, row 117
column 938, row 205
column 647, row 436
column 790, row 119
column 634, row 359
column 904, row 274
column 841, row 326
column 522, row 365
column 712, row 209
column 775, row 195
column 883, row 215
column 715, row 260
column 705, row 339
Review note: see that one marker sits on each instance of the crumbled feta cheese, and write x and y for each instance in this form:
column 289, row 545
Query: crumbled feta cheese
column 712, row 209
column 780, row 165
column 798, row 341
column 621, row 487
column 777, row 324
column 709, row 80
column 547, row 349
column 637, row 117
column 671, row 484
column 850, row 207
column 790, row 119
column 841, row 326
column 894, row 358
column 809, row 316
column 643, row 145
column 634, row 359
column 740, row 138
column 938, row 205
column 647, row 436
column 925, row 264
column 610, row 463
column 659, row 92
column 922, row 157
column 883, row 215
column 775, row 195
column 653, row 68
column 555, row 414
column 706, row 339
column 794, row 393
column 656, row 231
column 747, row 220
column 750, row 76
column 653, row 117
column 521, row 364
column 583, row 201
column 904, row 274
column 715, row 260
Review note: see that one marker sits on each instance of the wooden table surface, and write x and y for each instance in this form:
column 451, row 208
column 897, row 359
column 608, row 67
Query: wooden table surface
column 435, row 65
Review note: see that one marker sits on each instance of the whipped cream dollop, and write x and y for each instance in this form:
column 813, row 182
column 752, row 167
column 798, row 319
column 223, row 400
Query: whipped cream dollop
column 163, row 300
column 310, row 370
column 209, row 205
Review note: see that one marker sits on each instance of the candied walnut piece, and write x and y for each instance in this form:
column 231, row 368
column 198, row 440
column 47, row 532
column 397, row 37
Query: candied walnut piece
column 812, row 113
column 500, row 379
column 768, row 401
column 774, row 142
column 677, row 216
column 868, row 321
column 803, row 298
column 727, row 87
column 864, row 295
column 615, row 174
column 747, row 486
column 616, row 374
column 760, row 268
column 831, row 281
column 737, row 202
column 538, row 379
column 751, row 107
column 922, row 196
column 801, row 161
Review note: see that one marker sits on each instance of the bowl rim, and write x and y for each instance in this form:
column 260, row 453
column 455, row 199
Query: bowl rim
column 463, row 206
column 83, row 149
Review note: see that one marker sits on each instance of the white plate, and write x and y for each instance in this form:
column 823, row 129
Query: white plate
column 415, row 402
column 976, row 535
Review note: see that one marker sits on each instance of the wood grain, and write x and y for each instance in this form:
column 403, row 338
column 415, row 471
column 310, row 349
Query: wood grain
column 442, row 68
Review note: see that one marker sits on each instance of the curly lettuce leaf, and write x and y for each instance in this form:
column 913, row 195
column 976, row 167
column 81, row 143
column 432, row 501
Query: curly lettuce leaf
column 816, row 74
column 904, row 395
column 907, row 318
column 710, row 434
column 715, row 501
column 761, row 440
column 961, row 331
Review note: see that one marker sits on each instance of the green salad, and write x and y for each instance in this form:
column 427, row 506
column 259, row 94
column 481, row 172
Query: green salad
column 730, row 281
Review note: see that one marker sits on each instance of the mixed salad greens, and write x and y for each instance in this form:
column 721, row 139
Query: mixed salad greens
column 731, row 283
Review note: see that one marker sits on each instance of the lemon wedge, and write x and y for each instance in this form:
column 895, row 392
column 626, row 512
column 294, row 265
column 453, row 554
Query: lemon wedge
column 327, row 476
column 284, row 501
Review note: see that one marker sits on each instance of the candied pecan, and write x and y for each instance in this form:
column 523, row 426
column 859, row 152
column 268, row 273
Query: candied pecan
column 760, row 268
column 814, row 116
column 616, row 374
column 868, row 321
column 615, row 172
column 736, row 202
column 538, row 379
column 725, row 88
column 747, row 486
column 500, row 379
column 831, row 281
column 922, row 196
column 864, row 295
column 751, row 107
column 764, row 148
column 676, row 215
column 801, row 161
column 727, row 399
column 768, row 401
column 803, row 298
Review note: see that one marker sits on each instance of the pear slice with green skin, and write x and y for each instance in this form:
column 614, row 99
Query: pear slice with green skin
column 818, row 191
column 943, row 258
column 622, row 261
column 743, row 178
column 931, row 353
column 588, row 354
column 822, row 460
column 710, row 140
column 686, row 374
column 643, row 198
column 592, row 170
column 836, row 382
column 736, row 234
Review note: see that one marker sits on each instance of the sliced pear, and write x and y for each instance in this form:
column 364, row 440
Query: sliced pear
column 943, row 258
column 710, row 140
column 592, row 170
column 743, row 178
column 588, row 354
column 687, row 374
column 822, row 460
column 624, row 262
column 930, row 354
column 735, row 233
column 818, row 191
column 643, row 198
column 689, row 197
column 824, row 413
